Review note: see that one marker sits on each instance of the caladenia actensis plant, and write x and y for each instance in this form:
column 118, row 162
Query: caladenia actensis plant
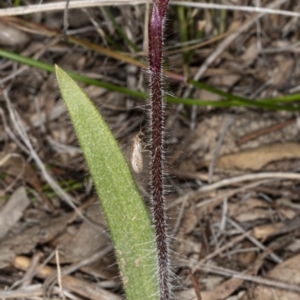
column 141, row 252
column 155, row 32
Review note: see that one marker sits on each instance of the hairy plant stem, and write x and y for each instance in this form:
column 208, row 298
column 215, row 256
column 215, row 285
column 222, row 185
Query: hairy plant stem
column 157, row 160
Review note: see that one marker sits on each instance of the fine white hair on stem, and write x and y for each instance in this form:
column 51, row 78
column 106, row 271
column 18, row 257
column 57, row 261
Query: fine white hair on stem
column 21, row 10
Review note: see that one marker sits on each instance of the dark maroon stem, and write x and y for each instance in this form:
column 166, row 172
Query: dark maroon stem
column 157, row 160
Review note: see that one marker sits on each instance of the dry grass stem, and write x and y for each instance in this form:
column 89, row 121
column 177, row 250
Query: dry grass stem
column 256, row 279
column 35, row 8
column 61, row 291
column 249, row 177
column 15, row 118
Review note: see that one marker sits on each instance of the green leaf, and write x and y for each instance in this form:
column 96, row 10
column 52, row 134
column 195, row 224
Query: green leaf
column 124, row 209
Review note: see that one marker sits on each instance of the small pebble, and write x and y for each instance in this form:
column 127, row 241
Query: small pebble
column 12, row 37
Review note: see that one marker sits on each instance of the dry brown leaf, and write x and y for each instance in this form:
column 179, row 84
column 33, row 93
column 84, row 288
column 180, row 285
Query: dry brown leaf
column 264, row 231
column 256, row 159
column 212, row 282
column 223, row 291
column 17, row 166
column 28, row 239
column 245, row 259
column 295, row 246
column 189, row 221
column 255, row 214
column 198, row 146
column 188, row 245
column 287, row 213
column 283, row 69
column 250, row 210
column 87, row 241
column 13, row 210
column 290, row 225
column 289, row 272
column 250, row 54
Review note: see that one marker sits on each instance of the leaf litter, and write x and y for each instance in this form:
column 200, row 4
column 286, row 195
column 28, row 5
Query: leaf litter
column 243, row 235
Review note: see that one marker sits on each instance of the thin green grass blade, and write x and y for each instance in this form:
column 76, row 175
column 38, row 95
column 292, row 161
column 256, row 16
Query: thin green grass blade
column 232, row 103
column 230, row 99
column 183, row 30
column 50, row 68
column 283, row 99
column 271, row 103
column 125, row 212
column 17, row 3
